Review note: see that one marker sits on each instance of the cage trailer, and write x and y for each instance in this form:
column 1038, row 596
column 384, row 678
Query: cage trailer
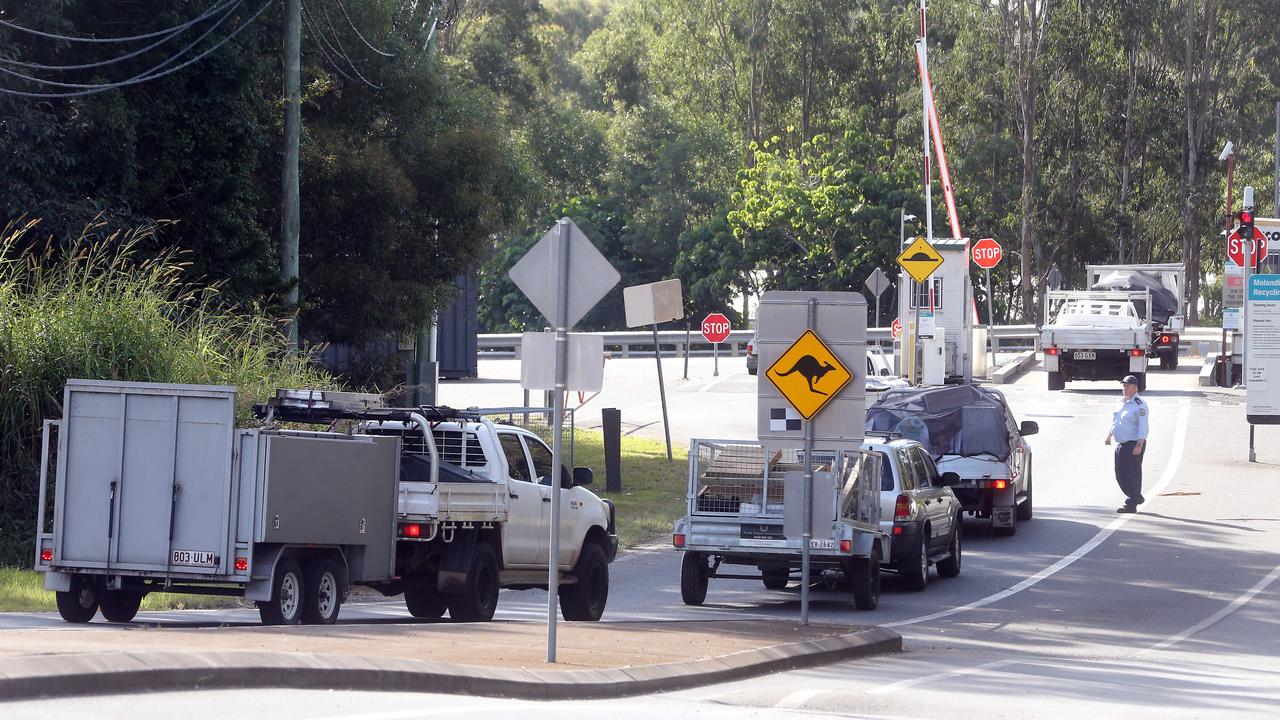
column 155, row 489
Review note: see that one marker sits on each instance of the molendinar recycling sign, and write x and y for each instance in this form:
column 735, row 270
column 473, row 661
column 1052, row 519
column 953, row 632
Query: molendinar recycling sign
column 1262, row 377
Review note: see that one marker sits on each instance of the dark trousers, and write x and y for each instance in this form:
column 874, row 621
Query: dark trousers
column 1129, row 473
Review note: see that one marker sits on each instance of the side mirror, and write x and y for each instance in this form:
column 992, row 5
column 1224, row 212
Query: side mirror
column 583, row 476
column 1028, row 427
column 948, row 479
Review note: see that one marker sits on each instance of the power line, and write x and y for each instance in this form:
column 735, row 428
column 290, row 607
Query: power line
column 102, row 63
column 313, row 27
column 145, row 77
column 356, row 30
column 147, row 36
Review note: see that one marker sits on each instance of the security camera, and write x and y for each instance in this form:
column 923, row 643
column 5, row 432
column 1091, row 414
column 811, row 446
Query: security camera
column 1226, row 151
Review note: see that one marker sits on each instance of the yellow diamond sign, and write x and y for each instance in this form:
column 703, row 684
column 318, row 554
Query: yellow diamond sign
column 808, row 374
column 920, row 259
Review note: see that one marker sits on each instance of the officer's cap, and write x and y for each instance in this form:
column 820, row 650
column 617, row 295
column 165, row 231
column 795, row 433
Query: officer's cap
column 1130, row 380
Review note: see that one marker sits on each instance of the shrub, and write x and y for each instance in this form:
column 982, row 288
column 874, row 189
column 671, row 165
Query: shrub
column 99, row 311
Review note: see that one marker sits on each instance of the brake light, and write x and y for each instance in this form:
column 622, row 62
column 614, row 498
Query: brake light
column 46, row 555
column 901, row 508
column 242, row 564
column 846, row 546
column 677, row 540
column 411, row 530
column 1164, row 339
column 751, row 347
column 999, row 484
column 1137, row 352
column 897, row 529
column 1051, row 351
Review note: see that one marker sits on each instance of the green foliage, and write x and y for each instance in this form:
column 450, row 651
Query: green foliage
column 23, row 591
column 102, row 312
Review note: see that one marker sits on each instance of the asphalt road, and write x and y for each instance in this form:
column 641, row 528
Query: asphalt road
column 1168, row 613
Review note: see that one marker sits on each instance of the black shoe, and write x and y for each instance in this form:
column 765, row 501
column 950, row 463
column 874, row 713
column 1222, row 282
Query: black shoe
column 1126, row 509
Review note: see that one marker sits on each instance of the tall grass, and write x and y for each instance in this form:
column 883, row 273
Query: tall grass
column 100, row 311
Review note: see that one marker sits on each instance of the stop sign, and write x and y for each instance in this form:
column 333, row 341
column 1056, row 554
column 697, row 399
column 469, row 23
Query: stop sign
column 987, row 253
column 896, row 328
column 1236, row 247
column 715, row 328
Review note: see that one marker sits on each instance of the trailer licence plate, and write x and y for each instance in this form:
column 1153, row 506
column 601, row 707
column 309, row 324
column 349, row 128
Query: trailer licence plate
column 1084, row 355
column 822, row 543
column 194, row 558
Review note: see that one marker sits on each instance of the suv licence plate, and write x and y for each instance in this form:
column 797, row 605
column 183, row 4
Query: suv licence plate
column 194, row 558
column 1084, row 355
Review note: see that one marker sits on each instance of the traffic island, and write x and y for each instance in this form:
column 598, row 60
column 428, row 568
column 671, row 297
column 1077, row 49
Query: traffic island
column 500, row 659
column 1010, row 371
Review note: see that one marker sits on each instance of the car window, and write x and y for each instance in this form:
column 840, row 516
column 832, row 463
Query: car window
column 931, row 468
column 541, row 461
column 886, row 480
column 514, row 451
column 908, row 470
column 921, row 470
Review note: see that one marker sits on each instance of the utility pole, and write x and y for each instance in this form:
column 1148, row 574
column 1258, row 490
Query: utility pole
column 289, row 210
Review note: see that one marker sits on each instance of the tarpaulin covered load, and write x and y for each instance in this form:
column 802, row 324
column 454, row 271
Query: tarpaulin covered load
column 1164, row 303
column 963, row 420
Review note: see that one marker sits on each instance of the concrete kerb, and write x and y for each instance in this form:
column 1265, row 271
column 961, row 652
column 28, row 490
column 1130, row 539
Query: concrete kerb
column 64, row 675
column 1008, row 372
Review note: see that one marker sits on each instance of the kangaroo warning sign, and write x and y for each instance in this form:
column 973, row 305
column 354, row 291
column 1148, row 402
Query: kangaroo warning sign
column 808, row 374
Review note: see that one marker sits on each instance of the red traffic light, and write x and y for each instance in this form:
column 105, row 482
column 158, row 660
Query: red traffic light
column 1246, row 217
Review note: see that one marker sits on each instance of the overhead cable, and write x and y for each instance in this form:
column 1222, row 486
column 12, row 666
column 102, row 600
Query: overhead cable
column 145, row 77
column 313, row 27
column 356, row 30
column 102, row 63
column 134, row 38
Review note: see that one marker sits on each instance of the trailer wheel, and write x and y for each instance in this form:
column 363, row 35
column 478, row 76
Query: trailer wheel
column 693, row 578
column 585, row 599
column 480, row 599
column 866, row 580
column 776, row 579
column 120, row 605
column 80, row 603
column 423, row 601
column 1056, row 381
column 950, row 567
column 285, row 605
column 323, row 596
column 915, row 567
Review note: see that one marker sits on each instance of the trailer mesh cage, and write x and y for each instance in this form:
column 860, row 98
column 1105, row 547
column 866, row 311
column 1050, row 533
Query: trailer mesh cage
column 745, row 478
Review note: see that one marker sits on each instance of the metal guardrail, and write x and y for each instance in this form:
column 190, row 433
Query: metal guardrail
column 1009, row 338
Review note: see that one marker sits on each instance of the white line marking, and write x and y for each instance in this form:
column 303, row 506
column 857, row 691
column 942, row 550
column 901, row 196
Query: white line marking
column 891, row 687
column 1175, row 459
column 798, row 698
column 422, row 713
column 1236, row 604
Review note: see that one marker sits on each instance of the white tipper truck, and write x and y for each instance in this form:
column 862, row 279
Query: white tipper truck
column 1167, row 282
column 154, row 488
column 1095, row 335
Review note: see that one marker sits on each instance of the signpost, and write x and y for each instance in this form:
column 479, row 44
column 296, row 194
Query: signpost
column 650, row 304
column 563, row 293
column 877, row 283
column 715, row 329
column 920, row 260
column 987, row 253
column 815, row 392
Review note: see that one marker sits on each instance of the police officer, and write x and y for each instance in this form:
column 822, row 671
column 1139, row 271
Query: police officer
column 1129, row 430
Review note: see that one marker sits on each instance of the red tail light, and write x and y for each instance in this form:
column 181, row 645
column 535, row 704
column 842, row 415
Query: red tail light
column 1164, row 339
column 677, row 540
column 411, row 530
column 46, row 555
column 1137, row 352
column 897, row 529
column 751, row 347
column 242, row 564
column 901, row 508
column 1051, row 351
column 999, row 484
column 846, row 546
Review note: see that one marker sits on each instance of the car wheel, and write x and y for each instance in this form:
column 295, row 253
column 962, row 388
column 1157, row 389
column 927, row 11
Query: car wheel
column 1056, row 381
column 776, row 579
column 285, row 605
column 80, row 603
column 693, row 578
column 1025, row 510
column 585, row 599
column 479, row 601
column 915, row 567
column 950, row 567
column 119, row 606
column 323, row 597
column 1142, row 381
column 866, row 580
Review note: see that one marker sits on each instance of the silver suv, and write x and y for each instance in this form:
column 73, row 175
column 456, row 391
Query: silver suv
column 918, row 510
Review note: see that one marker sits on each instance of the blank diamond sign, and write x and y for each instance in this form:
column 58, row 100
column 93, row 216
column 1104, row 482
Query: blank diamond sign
column 591, row 276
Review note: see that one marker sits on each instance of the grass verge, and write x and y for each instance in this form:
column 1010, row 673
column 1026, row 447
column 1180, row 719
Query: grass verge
column 23, row 591
column 653, row 488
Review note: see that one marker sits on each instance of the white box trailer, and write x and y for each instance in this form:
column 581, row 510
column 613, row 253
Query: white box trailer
column 157, row 490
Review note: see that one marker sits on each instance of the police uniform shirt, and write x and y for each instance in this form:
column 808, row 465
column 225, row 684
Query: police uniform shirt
column 1129, row 423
